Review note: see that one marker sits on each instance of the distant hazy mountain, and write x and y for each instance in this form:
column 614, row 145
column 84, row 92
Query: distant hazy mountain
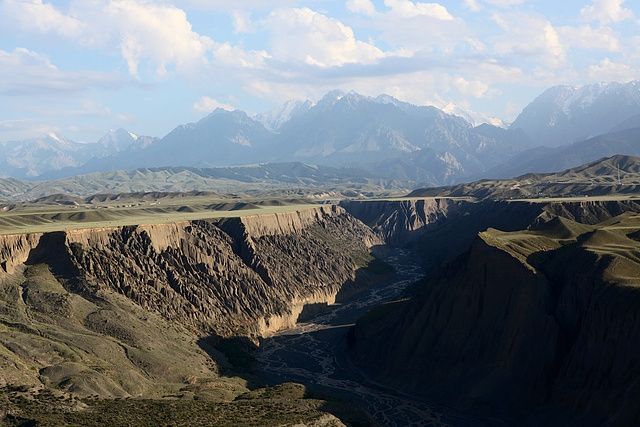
column 32, row 157
column 566, row 114
column 45, row 155
column 546, row 159
column 380, row 135
column 120, row 140
column 476, row 119
column 395, row 138
column 392, row 138
column 222, row 138
column 630, row 123
column 274, row 119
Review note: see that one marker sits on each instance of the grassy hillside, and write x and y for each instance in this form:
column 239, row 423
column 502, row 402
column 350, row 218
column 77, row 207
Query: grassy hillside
column 617, row 176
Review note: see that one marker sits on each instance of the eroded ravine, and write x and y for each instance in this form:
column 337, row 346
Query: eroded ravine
column 314, row 353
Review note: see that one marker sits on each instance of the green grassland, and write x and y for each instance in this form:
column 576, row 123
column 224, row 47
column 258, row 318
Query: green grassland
column 41, row 217
column 617, row 240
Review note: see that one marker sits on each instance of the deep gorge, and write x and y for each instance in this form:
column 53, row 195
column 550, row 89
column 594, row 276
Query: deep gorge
column 139, row 291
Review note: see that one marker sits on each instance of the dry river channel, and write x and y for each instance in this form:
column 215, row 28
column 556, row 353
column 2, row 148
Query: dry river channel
column 314, row 353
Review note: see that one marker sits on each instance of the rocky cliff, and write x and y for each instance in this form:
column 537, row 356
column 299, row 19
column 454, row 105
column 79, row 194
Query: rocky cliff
column 127, row 311
column 398, row 222
column 535, row 327
column 216, row 276
column 439, row 229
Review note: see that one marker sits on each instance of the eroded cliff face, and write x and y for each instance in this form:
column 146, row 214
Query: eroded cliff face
column 15, row 250
column 439, row 229
column 248, row 275
column 536, row 327
column 398, row 222
column 123, row 311
column 590, row 211
column 470, row 335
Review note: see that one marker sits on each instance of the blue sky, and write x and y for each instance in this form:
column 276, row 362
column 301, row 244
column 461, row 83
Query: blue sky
column 81, row 67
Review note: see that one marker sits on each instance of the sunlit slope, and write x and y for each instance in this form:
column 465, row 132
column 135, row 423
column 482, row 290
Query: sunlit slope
column 617, row 176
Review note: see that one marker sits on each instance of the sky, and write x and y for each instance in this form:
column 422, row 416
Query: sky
column 81, row 67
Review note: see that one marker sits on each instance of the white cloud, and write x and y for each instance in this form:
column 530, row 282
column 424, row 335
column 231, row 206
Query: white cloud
column 410, row 9
column 158, row 33
column 41, row 17
column 473, row 5
column 473, row 88
column 365, row 7
column 505, row 3
column 430, row 56
column 230, row 55
column 413, row 27
column 606, row 11
column 306, row 36
column 241, row 22
column 13, row 130
column 477, row 5
column 608, row 70
column 587, row 37
column 530, row 37
column 222, row 5
column 207, row 104
column 24, row 72
column 425, row 87
column 139, row 30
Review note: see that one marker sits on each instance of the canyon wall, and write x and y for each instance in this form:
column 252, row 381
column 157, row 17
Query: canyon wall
column 228, row 276
column 532, row 327
column 439, row 229
column 129, row 311
column 113, row 311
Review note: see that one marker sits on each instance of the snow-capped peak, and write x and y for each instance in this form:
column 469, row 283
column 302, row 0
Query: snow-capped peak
column 276, row 118
column 473, row 117
column 387, row 99
column 53, row 136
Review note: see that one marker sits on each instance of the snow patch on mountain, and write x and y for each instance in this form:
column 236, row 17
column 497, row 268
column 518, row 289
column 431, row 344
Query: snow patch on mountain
column 473, row 117
column 274, row 119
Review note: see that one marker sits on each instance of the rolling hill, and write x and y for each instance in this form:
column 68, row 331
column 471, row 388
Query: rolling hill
column 250, row 179
column 616, row 175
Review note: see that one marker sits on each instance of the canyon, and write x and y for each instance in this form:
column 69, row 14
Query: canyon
column 470, row 326
column 533, row 326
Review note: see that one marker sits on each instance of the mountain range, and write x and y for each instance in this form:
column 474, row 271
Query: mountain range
column 396, row 140
column 37, row 157
column 568, row 114
column 382, row 136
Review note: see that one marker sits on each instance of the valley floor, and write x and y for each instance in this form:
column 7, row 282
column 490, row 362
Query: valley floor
column 314, row 353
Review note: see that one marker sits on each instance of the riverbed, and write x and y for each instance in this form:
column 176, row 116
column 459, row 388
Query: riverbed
column 314, row 353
